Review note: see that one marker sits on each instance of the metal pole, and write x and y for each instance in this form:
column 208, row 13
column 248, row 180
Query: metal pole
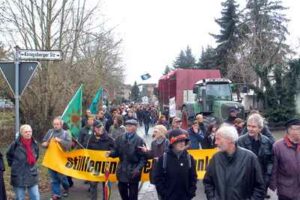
column 17, row 97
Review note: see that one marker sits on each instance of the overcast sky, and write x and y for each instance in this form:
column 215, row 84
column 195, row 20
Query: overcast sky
column 154, row 31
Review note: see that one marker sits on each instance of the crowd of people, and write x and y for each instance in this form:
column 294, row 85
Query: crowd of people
column 248, row 162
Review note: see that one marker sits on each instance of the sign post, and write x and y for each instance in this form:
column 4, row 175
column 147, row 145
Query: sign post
column 17, row 96
column 18, row 73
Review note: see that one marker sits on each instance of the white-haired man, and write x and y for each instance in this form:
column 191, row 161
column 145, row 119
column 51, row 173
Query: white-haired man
column 233, row 173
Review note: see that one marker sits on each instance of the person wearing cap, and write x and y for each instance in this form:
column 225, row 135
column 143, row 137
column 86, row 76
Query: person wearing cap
column 286, row 169
column 132, row 160
column 175, row 174
column 260, row 145
column 99, row 141
column 233, row 173
column 85, row 131
column 233, row 113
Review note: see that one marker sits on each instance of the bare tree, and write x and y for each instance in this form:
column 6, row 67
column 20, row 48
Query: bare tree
column 90, row 53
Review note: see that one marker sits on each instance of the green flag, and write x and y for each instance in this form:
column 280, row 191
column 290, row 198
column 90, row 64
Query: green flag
column 73, row 112
column 95, row 103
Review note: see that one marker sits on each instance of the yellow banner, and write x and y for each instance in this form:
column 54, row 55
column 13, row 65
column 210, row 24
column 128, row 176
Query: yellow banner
column 90, row 165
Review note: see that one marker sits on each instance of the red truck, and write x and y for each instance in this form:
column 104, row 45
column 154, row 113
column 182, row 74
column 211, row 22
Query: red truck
column 179, row 84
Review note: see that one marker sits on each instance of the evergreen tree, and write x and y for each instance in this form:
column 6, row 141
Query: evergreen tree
column 167, row 70
column 185, row 59
column 135, row 93
column 208, row 59
column 228, row 38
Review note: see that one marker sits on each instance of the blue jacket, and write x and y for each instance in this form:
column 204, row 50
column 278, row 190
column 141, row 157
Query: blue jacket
column 195, row 138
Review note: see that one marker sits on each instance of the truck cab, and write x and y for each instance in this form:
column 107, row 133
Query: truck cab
column 213, row 97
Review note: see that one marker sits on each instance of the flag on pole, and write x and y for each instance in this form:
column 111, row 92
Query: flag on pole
column 94, row 107
column 107, row 184
column 145, row 76
column 72, row 113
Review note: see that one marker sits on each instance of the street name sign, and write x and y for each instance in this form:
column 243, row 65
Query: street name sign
column 27, row 54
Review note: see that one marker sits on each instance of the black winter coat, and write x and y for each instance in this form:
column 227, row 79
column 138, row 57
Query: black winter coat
column 234, row 178
column 265, row 154
column 103, row 143
column 22, row 174
column 132, row 159
column 178, row 181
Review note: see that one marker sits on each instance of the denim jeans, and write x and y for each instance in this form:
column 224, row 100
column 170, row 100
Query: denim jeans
column 33, row 192
column 58, row 179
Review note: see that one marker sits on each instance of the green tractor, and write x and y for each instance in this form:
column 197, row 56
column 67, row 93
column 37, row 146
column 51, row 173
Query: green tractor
column 213, row 98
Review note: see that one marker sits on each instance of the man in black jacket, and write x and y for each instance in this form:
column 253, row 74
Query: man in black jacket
column 260, row 145
column 175, row 174
column 99, row 140
column 233, row 173
column 132, row 160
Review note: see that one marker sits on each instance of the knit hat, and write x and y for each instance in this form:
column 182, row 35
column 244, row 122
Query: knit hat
column 178, row 135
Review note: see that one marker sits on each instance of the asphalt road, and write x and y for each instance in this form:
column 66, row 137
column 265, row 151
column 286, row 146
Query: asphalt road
column 80, row 190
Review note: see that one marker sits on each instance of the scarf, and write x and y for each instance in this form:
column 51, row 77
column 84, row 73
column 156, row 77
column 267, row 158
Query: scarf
column 29, row 154
column 290, row 144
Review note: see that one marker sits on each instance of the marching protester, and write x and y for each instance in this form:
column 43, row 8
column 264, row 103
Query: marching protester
column 196, row 136
column 233, row 112
column 85, row 117
column 146, row 119
column 162, row 120
column 132, row 160
column 265, row 131
column 62, row 137
column 233, row 173
column 159, row 145
column 260, row 145
column 101, row 117
column 22, row 156
column 286, row 169
column 175, row 175
column 109, row 122
column 2, row 185
column 209, row 138
column 239, row 125
column 117, row 129
column 176, row 123
column 86, row 131
column 129, row 115
column 99, row 140
column 200, row 120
